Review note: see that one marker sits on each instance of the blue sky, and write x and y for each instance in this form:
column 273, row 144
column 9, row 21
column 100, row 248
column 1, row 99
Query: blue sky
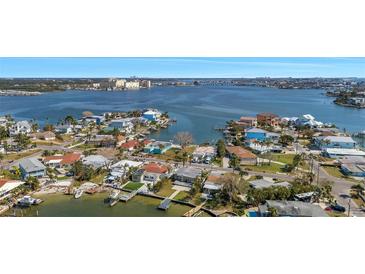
column 181, row 67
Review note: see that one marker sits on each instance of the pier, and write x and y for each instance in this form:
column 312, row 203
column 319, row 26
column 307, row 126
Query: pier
column 165, row 204
column 128, row 196
column 194, row 210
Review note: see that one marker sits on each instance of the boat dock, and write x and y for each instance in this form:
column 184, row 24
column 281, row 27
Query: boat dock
column 126, row 197
column 194, row 210
column 165, row 204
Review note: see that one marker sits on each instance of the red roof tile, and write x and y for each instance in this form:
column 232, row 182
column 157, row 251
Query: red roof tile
column 155, row 168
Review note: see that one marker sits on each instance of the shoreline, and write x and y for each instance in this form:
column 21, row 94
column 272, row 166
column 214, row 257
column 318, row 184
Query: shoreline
column 348, row 105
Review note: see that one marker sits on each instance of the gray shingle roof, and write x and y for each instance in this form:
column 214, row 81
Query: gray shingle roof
column 294, row 209
column 31, row 165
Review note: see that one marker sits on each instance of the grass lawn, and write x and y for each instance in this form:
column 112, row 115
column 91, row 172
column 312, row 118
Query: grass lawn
column 166, row 189
column 335, row 172
column 17, row 156
column 175, row 154
column 273, row 168
column 336, row 214
column 132, row 186
column 283, row 158
column 182, row 196
column 98, row 179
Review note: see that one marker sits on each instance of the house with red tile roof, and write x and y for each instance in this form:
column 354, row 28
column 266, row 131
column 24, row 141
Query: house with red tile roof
column 130, row 145
column 246, row 157
column 150, row 173
column 268, row 119
column 62, row 160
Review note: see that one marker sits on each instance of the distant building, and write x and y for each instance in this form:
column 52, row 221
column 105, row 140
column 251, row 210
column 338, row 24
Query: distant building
column 268, row 119
column 246, row 122
column 152, row 115
column 131, row 85
column 97, row 119
column 31, row 167
column 145, row 83
column 120, row 83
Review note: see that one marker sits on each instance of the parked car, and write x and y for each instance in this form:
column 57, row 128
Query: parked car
column 338, row 208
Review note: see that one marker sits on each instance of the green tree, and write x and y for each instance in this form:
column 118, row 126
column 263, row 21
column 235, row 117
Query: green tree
column 286, row 140
column 22, row 140
column 234, row 162
column 221, row 148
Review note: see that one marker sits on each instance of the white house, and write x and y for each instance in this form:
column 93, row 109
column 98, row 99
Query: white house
column 23, row 127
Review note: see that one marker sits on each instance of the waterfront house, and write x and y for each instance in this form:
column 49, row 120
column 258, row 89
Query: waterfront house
column 96, row 161
column 256, row 134
column 202, row 152
column 64, row 129
column 31, row 167
column 125, row 124
column 62, row 161
column 246, row 122
column 291, row 209
column 150, row 173
column 246, row 157
column 185, row 176
column 157, row 147
column 23, row 127
column 213, row 184
column 6, row 186
column 343, row 142
column 261, row 135
column 308, row 120
column 97, row 119
column 268, row 119
column 152, row 115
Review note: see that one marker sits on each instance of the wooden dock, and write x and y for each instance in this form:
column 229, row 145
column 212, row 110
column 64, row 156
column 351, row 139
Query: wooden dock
column 126, row 197
column 194, row 210
column 165, row 204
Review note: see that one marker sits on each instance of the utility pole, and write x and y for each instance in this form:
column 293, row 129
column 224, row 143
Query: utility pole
column 349, row 208
column 317, row 173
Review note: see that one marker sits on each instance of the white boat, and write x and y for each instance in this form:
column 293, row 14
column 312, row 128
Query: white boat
column 114, row 194
column 78, row 193
column 27, row 201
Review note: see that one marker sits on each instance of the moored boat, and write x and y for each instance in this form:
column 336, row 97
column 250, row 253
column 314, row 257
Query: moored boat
column 78, row 193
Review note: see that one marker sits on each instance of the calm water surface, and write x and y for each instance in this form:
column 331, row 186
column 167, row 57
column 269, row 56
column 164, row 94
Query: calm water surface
column 197, row 109
column 60, row 205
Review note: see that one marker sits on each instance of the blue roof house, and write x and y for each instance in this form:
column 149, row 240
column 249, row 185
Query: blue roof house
column 256, row 133
column 157, row 147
